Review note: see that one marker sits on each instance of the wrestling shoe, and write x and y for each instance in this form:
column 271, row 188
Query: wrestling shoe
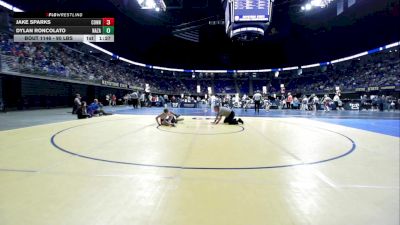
column 240, row 121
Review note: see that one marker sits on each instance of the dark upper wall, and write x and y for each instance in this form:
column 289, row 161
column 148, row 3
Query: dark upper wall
column 24, row 93
column 293, row 38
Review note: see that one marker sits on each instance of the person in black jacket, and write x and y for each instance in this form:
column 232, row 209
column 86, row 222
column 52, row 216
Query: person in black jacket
column 81, row 112
column 381, row 102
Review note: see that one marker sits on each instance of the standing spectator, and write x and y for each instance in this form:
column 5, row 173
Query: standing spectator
column 153, row 100
column 304, row 103
column 326, row 101
column 340, row 103
column 198, row 101
column 283, row 101
column 267, row 103
column 174, row 102
column 336, row 100
column 149, row 99
column 398, row 103
column 108, row 100
column 392, row 105
column 315, row 102
column 114, row 100
column 374, row 103
column 135, row 99
column 142, row 100
column 247, row 102
column 166, row 99
column 162, row 101
column 381, row 102
column 126, row 99
column 77, row 103
column 289, row 101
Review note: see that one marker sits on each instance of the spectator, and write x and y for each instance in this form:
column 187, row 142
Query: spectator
column 289, row 101
column 135, row 99
column 82, row 111
column 96, row 108
column 114, row 100
column 77, row 103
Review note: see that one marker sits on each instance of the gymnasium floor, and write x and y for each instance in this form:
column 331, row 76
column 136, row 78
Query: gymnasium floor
column 281, row 167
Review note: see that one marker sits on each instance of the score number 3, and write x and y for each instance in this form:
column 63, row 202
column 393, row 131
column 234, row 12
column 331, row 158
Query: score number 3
column 108, row 21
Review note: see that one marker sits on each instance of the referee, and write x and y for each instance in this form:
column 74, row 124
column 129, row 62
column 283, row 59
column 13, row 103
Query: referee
column 257, row 101
column 229, row 115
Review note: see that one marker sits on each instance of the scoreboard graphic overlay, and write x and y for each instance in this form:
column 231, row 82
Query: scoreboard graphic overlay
column 251, row 10
column 63, row 27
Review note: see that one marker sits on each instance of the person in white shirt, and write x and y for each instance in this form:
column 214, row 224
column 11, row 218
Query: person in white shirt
column 267, row 103
column 229, row 115
column 246, row 103
column 142, row 100
column 304, row 103
column 257, row 101
column 212, row 101
column 108, row 99
column 244, row 100
column 315, row 103
column 327, row 101
column 336, row 100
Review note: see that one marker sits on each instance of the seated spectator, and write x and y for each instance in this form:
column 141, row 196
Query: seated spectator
column 96, row 108
column 296, row 103
column 81, row 112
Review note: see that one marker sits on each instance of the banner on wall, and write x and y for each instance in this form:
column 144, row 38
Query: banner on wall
column 116, row 84
column 374, row 88
column 388, row 88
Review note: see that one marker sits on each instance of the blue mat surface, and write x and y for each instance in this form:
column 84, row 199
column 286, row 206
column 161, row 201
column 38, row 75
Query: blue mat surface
column 385, row 126
column 380, row 122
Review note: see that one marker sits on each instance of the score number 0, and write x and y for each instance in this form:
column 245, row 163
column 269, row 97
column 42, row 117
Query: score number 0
column 108, row 25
